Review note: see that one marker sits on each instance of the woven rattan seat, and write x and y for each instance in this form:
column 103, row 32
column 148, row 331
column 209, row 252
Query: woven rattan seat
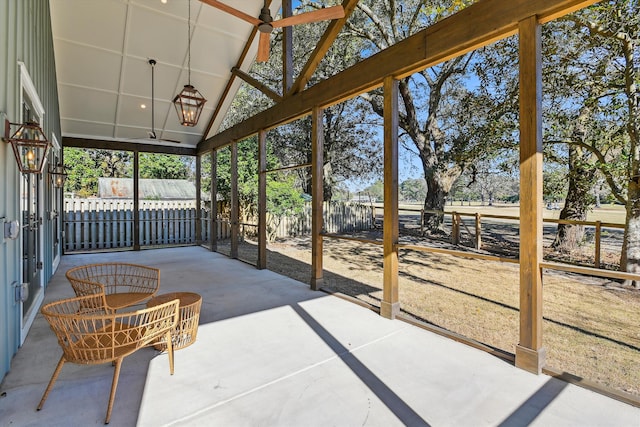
column 123, row 284
column 90, row 333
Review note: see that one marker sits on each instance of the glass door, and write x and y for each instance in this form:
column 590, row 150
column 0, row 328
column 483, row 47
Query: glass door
column 31, row 207
column 31, row 229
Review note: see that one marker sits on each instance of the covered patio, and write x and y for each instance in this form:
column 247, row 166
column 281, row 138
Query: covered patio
column 270, row 351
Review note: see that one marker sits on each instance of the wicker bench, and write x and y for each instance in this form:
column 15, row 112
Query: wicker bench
column 123, row 284
column 89, row 333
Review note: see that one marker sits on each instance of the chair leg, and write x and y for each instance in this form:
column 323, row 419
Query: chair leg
column 53, row 379
column 114, row 385
column 169, row 341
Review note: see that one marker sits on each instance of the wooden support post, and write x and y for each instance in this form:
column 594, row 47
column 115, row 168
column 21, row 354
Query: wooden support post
column 262, row 200
column 478, row 231
column 287, row 49
column 213, row 223
column 198, row 200
column 136, row 201
column 390, row 305
column 530, row 355
column 598, row 238
column 422, row 222
column 235, row 202
column 317, row 165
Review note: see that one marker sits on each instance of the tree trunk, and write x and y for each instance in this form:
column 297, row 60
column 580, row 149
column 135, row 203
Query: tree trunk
column 438, row 186
column 581, row 181
column 630, row 259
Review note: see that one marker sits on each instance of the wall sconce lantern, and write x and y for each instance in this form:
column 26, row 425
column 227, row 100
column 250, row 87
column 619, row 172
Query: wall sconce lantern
column 58, row 176
column 30, row 146
column 189, row 102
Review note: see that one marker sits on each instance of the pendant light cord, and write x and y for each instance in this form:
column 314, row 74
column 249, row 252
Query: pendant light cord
column 189, row 45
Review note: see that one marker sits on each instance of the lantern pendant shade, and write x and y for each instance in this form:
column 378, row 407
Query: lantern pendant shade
column 189, row 104
column 30, row 147
column 58, row 176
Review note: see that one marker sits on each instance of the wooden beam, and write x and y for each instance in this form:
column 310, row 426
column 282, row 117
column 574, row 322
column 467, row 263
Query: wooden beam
column 287, row 48
column 530, row 355
column 478, row 25
column 235, row 202
column 317, row 166
column 101, row 144
column 262, row 200
column 198, row 200
column 257, row 84
column 136, row 201
column 390, row 305
column 322, row 47
column 213, row 222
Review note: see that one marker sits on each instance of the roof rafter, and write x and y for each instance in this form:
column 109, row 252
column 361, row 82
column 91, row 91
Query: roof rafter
column 323, row 46
column 257, row 84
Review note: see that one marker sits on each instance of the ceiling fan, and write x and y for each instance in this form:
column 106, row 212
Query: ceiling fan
column 266, row 24
column 152, row 132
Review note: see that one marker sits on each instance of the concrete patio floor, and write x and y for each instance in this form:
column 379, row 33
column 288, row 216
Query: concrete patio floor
column 271, row 352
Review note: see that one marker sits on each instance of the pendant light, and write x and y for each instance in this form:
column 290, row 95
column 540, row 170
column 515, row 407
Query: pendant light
column 189, row 103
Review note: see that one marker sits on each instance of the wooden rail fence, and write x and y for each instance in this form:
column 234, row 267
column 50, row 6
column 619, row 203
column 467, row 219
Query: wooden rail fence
column 457, row 224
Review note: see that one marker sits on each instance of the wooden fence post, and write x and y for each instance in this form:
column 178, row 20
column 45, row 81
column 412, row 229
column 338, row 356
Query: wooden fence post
column 455, row 228
column 478, row 231
column 598, row 237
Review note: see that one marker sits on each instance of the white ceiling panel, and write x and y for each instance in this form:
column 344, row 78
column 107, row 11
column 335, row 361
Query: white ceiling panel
column 87, row 129
column 156, row 35
column 87, row 104
column 137, row 79
column 98, row 23
column 101, row 71
column 210, row 51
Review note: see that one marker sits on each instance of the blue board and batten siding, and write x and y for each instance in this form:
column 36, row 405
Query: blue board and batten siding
column 25, row 31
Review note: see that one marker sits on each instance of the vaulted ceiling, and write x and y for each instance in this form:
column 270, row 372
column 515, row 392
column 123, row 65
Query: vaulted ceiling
column 102, row 51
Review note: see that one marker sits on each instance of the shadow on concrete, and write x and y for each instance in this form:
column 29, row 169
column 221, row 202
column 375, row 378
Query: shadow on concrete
column 391, row 400
column 535, row 405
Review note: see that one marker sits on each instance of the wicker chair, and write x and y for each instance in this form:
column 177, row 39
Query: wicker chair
column 123, row 284
column 89, row 333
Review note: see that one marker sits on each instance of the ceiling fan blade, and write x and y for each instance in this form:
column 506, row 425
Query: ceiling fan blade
column 235, row 12
column 263, row 48
column 323, row 14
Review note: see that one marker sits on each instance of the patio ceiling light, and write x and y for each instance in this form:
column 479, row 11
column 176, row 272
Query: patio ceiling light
column 58, row 176
column 30, row 146
column 189, row 103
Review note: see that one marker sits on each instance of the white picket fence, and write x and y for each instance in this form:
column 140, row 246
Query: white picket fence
column 94, row 224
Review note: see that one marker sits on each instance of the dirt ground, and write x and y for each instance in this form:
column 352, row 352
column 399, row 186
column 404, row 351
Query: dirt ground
column 591, row 326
